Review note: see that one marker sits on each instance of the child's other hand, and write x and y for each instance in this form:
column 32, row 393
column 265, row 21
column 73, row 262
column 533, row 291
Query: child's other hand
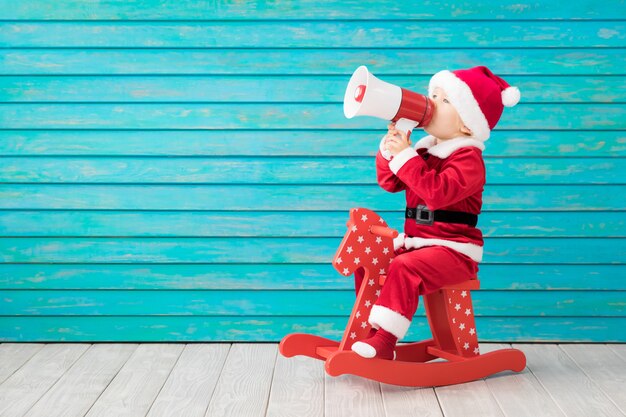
column 396, row 140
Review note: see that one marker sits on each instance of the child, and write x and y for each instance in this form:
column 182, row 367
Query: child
column 443, row 177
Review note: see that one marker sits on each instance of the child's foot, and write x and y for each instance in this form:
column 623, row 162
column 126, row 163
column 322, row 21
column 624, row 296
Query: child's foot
column 381, row 345
column 371, row 333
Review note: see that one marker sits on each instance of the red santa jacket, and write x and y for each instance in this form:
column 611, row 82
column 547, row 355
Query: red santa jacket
column 448, row 176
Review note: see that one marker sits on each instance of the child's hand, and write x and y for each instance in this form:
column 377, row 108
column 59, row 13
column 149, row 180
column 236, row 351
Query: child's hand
column 396, row 140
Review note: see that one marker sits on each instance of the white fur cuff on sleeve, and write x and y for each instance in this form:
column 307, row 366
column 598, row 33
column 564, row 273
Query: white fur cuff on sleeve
column 384, row 151
column 398, row 241
column 400, row 159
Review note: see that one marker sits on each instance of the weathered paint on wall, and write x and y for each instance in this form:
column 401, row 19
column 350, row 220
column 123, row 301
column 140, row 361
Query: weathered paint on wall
column 182, row 171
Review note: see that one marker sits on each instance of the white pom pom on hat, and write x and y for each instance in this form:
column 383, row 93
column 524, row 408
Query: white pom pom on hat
column 510, row 96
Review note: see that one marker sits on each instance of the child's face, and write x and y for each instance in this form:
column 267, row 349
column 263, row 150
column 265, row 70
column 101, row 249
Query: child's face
column 446, row 122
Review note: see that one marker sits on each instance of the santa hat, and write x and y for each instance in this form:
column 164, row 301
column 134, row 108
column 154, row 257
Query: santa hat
column 478, row 95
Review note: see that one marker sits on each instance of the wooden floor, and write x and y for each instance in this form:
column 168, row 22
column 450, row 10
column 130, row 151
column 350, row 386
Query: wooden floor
column 59, row 379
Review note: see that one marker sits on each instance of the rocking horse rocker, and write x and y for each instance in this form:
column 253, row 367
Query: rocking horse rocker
column 368, row 244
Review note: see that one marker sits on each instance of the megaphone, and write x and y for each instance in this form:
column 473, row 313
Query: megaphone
column 366, row 95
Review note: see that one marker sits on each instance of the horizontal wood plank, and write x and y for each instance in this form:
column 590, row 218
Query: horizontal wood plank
column 291, row 303
column 238, row 197
column 277, row 116
column 181, row 171
column 272, row 89
column 292, row 170
column 272, row 329
column 527, row 277
column 307, row 143
column 310, row 61
column 99, row 223
column 282, row 250
column 313, row 34
column 305, row 9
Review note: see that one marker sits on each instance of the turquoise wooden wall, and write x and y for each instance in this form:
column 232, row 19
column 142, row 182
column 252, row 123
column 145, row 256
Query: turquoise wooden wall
column 183, row 171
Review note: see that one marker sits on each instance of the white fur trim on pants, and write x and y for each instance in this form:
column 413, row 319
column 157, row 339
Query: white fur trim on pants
column 394, row 323
column 475, row 252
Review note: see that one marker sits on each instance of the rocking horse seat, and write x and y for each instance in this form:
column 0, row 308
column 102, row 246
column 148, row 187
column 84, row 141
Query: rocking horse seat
column 470, row 284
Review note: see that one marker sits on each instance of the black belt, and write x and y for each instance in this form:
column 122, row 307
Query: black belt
column 423, row 215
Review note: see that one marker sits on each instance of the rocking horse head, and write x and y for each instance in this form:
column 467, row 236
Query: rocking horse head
column 367, row 244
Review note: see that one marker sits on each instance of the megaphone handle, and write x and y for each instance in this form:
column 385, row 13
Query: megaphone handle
column 406, row 125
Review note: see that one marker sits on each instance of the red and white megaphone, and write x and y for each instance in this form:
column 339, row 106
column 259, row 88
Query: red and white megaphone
column 366, row 95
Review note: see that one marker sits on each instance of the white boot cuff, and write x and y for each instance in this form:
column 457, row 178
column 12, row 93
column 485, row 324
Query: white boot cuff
column 394, row 323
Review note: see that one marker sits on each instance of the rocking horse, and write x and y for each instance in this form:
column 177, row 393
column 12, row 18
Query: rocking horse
column 368, row 244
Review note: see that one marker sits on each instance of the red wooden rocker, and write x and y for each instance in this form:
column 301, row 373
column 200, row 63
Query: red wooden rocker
column 368, row 244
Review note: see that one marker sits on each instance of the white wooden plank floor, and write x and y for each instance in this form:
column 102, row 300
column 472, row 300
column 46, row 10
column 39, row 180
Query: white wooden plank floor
column 252, row 379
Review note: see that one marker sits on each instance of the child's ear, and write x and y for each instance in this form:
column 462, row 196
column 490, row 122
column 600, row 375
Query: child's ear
column 466, row 131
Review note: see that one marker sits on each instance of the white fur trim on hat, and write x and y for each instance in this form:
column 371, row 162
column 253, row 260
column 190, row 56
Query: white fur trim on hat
column 461, row 97
column 510, row 96
column 394, row 323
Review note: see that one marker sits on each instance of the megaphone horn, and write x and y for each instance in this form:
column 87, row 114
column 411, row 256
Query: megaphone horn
column 367, row 95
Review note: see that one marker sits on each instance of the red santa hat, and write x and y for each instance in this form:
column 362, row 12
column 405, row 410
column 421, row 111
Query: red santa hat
column 478, row 95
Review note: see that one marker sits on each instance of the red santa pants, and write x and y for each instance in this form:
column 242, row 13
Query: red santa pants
column 413, row 273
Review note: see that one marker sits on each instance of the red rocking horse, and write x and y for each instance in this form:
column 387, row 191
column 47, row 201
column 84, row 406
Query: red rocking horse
column 368, row 244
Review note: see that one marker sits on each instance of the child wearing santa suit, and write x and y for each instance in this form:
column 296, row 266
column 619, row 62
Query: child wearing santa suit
column 443, row 177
